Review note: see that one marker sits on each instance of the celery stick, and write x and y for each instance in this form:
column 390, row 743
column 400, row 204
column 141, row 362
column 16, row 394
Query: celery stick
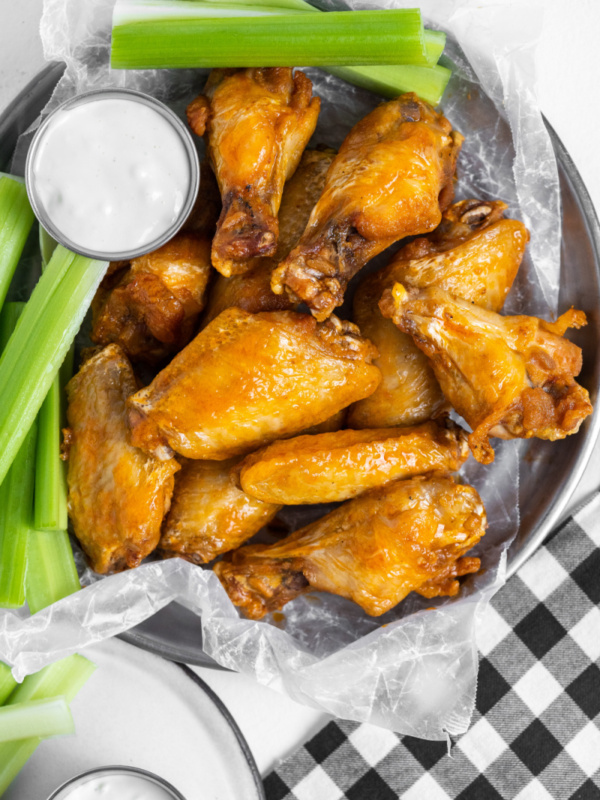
column 35, row 718
column 7, row 682
column 16, row 498
column 16, row 519
column 50, row 509
column 51, row 570
column 9, row 316
column 47, row 245
column 393, row 36
column 428, row 82
column 16, row 219
column 48, row 325
column 435, row 41
column 65, row 677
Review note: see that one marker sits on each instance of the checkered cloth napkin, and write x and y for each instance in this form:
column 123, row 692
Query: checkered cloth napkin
column 535, row 733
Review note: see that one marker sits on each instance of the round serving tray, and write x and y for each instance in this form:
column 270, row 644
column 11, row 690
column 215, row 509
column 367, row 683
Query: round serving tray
column 549, row 472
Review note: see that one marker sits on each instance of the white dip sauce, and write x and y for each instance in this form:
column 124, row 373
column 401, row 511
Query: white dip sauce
column 111, row 174
column 119, row 787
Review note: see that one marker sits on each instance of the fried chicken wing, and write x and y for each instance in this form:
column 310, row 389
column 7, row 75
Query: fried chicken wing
column 391, row 178
column 257, row 123
column 248, row 379
column 407, row 536
column 509, row 377
column 151, row 309
column 209, row 514
column 474, row 254
column 118, row 495
column 252, row 290
column 330, row 467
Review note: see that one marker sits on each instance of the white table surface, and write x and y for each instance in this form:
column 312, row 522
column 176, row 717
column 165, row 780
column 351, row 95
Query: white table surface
column 569, row 75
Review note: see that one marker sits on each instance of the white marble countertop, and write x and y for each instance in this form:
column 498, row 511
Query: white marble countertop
column 569, row 73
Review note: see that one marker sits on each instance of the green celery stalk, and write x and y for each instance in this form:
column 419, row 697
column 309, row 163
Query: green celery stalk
column 16, row 497
column 47, row 245
column 16, row 519
column 428, row 82
column 51, row 570
column 66, row 678
column 50, row 508
column 40, row 342
column 16, row 219
column 435, row 41
column 35, row 718
column 394, row 36
column 7, row 682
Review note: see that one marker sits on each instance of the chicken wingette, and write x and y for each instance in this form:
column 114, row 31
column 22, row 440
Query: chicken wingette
column 248, row 379
column 257, row 123
column 330, row 467
column 509, row 377
column 407, row 536
column 118, row 495
column 391, row 178
column 475, row 254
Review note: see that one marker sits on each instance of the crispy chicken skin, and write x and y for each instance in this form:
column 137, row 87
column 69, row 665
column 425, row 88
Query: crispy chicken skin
column 151, row 309
column 475, row 254
column 209, row 514
column 252, row 290
column 330, row 467
column 407, row 536
column 118, row 495
column 248, row 379
column 391, row 178
column 257, row 123
column 509, row 377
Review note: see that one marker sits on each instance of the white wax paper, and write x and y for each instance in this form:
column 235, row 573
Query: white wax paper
column 413, row 670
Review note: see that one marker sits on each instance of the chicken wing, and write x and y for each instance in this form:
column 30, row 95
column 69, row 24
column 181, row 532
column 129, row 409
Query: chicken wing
column 474, row 254
column 391, row 178
column 407, row 536
column 248, row 379
column 209, row 514
column 509, row 377
column 152, row 308
column 117, row 494
column 252, row 290
column 330, row 467
column 257, row 123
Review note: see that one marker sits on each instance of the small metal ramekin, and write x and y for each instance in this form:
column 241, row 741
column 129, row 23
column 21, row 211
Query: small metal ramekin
column 63, row 792
column 177, row 125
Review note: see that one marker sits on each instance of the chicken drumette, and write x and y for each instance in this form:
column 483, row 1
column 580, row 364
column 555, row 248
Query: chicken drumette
column 407, row 536
column 252, row 290
column 151, row 309
column 475, row 254
column 509, row 377
column 257, row 123
column 391, row 178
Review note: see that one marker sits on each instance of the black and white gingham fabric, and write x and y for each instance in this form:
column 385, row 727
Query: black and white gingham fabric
column 535, row 734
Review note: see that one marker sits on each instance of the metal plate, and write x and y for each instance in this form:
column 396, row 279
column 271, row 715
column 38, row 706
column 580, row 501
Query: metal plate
column 550, row 471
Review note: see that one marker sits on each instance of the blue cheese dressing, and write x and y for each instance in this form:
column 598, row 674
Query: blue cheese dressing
column 119, row 787
column 111, row 174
